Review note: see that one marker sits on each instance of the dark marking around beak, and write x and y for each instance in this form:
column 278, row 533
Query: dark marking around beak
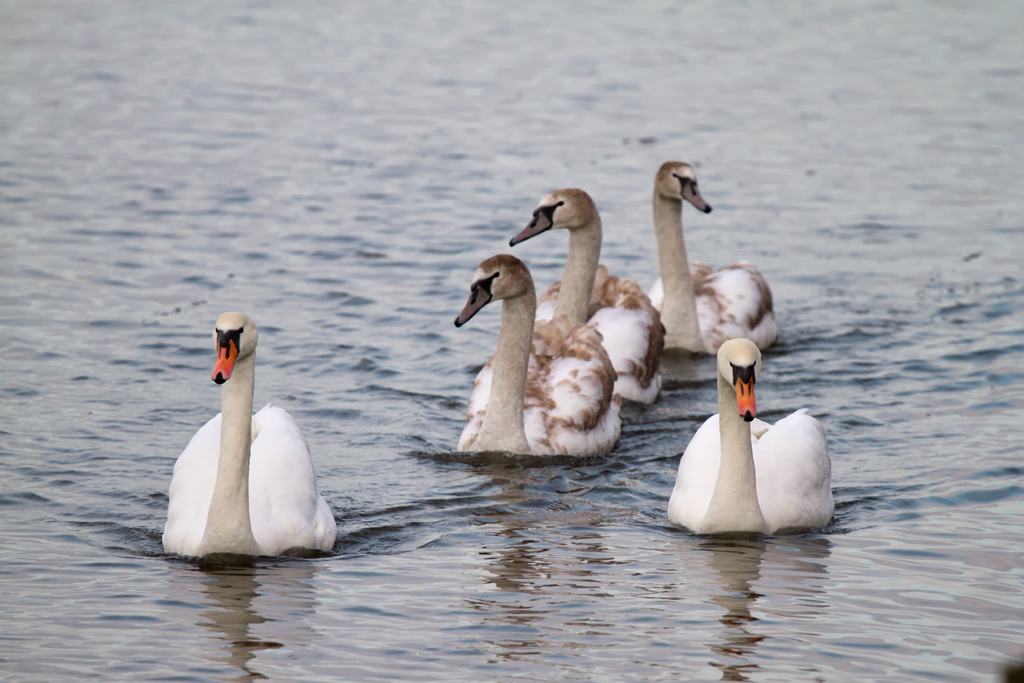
column 543, row 219
column 694, row 194
column 227, row 341
column 743, row 380
column 479, row 296
column 746, row 373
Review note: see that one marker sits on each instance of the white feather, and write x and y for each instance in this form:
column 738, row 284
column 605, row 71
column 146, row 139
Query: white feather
column 285, row 509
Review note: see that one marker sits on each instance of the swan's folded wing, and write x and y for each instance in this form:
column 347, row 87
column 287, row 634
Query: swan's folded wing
column 284, row 503
column 477, row 407
column 571, row 390
column 794, row 473
column 695, row 480
column 633, row 335
column 195, row 473
column 732, row 303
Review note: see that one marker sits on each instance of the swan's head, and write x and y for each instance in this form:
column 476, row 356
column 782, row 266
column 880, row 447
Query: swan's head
column 234, row 337
column 499, row 277
column 569, row 208
column 739, row 362
column 676, row 180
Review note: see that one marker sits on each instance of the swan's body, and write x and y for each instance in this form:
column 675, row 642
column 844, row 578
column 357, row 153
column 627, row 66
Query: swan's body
column 701, row 308
column 548, row 388
column 740, row 474
column 245, row 483
column 732, row 303
column 614, row 306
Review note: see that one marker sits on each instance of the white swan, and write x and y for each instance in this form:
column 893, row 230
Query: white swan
column 616, row 307
column 557, row 399
column 245, row 484
column 778, row 477
column 702, row 308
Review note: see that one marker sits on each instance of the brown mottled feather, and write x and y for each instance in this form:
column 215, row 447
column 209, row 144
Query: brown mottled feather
column 553, row 340
column 611, row 291
column 700, row 274
column 558, row 338
column 766, row 294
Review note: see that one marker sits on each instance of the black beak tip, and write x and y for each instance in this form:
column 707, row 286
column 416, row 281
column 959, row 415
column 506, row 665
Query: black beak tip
column 219, row 379
column 747, row 417
column 459, row 322
column 707, row 208
column 512, row 242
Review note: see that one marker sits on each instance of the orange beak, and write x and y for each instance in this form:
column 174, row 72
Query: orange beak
column 226, row 356
column 745, row 399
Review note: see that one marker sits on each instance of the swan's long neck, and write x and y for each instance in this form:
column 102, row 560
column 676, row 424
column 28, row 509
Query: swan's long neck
column 503, row 428
column 228, row 528
column 734, row 505
column 679, row 307
column 580, row 269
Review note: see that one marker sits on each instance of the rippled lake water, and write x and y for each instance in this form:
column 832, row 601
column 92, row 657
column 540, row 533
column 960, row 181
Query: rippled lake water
column 338, row 171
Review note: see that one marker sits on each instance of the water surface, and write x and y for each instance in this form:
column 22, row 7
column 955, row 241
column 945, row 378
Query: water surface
column 339, row 171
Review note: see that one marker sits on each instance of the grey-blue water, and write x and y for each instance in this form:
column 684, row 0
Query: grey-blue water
column 338, row 171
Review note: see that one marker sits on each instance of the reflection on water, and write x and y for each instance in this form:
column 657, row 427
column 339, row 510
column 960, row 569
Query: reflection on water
column 516, row 564
column 231, row 617
column 533, row 572
column 230, row 593
column 519, row 565
column 738, row 563
column 515, row 568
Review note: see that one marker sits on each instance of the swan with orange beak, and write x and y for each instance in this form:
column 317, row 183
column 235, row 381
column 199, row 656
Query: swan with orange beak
column 245, row 484
column 740, row 474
